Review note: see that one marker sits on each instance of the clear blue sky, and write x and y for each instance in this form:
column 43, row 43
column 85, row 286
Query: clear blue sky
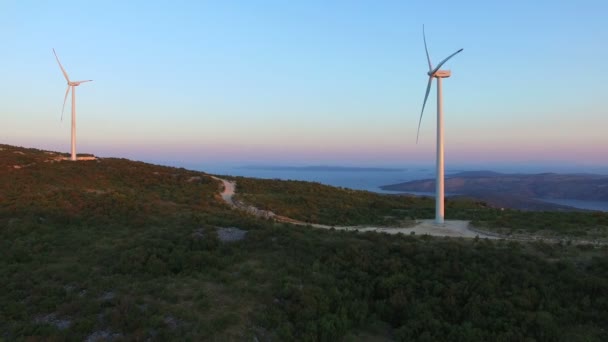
column 308, row 82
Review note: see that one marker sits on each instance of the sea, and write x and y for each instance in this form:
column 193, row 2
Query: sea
column 363, row 178
column 369, row 179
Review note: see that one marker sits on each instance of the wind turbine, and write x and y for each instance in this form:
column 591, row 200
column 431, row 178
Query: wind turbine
column 440, row 176
column 71, row 85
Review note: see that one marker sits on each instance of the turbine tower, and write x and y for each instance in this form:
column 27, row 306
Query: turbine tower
column 71, row 85
column 440, row 176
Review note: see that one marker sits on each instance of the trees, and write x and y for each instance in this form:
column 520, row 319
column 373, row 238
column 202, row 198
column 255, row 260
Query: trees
column 129, row 249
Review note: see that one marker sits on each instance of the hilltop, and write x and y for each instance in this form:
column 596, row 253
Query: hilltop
column 113, row 249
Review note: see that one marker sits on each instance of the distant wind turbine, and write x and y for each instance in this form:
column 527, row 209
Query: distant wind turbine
column 438, row 74
column 72, row 85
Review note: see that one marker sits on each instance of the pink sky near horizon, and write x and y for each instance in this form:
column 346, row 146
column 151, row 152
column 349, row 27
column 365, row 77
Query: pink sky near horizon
column 347, row 153
column 313, row 82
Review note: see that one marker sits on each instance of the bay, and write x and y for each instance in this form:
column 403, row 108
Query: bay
column 362, row 178
column 368, row 179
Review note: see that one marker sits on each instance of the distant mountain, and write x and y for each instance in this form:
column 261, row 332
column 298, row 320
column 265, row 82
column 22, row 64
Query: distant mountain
column 520, row 191
column 321, row 168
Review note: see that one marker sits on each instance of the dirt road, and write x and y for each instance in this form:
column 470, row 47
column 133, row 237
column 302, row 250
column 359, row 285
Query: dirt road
column 452, row 228
column 228, row 191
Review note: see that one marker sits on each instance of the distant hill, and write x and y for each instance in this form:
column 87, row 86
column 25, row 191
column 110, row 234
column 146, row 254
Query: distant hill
column 519, row 191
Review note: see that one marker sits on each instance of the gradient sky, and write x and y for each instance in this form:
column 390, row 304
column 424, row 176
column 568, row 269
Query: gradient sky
column 308, row 82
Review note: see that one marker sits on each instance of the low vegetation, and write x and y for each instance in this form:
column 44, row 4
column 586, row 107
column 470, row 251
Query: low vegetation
column 115, row 249
column 591, row 226
column 318, row 203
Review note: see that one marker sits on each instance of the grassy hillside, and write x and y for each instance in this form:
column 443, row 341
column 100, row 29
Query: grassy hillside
column 115, row 249
column 318, row 203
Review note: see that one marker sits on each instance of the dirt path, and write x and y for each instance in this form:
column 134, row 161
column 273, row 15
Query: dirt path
column 451, row 228
column 228, row 191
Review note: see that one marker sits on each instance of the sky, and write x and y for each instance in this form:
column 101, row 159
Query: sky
column 308, row 82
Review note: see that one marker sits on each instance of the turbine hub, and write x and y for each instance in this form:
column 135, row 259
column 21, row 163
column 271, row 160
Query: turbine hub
column 441, row 74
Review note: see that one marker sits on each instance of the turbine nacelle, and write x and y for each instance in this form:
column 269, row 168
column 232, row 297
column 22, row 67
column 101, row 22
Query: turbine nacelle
column 77, row 83
column 433, row 73
column 440, row 74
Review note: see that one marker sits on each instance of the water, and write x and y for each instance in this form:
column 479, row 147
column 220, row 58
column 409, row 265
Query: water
column 358, row 179
column 364, row 179
column 580, row 204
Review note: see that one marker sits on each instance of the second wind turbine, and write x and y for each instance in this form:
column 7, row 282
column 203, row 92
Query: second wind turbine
column 440, row 176
column 71, row 85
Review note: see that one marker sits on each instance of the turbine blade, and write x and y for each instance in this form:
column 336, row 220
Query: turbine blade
column 426, row 96
column 83, row 81
column 427, row 50
column 445, row 60
column 65, row 74
column 67, row 91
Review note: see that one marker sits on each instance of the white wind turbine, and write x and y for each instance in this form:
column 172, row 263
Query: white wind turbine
column 439, row 181
column 72, row 85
